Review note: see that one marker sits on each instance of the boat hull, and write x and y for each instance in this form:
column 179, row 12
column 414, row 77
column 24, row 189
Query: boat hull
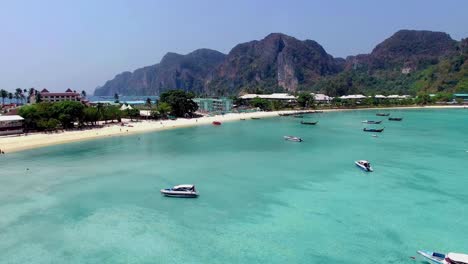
column 372, row 122
column 293, row 139
column 178, row 194
column 373, row 130
column 362, row 167
column 309, row 123
column 433, row 256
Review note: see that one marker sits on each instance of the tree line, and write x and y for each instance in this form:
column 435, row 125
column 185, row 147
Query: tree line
column 44, row 116
column 306, row 100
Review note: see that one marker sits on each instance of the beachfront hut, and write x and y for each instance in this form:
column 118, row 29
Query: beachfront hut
column 11, row 124
column 126, row 107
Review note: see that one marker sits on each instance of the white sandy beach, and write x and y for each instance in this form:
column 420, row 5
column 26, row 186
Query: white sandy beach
column 17, row 143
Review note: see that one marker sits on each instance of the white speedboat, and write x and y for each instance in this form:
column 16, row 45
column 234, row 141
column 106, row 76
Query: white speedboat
column 371, row 122
column 441, row 258
column 292, row 138
column 364, row 165
column 183, row 191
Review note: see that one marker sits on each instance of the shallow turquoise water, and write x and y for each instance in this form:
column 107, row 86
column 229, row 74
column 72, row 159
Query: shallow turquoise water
column 263, row 200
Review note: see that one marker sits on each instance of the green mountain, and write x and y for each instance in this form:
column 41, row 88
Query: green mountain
column 276, row 63
column 187, row 72
column 408, row 62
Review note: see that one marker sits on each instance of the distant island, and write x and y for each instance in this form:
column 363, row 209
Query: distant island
column 408, row 62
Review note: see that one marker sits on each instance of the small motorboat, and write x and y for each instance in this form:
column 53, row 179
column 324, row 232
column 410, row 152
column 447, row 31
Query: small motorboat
column 216, row 123
column 374, row 135
column 395, row 118
column 364, row 165
column 382, row 114
column 432, row 256
column 371, row 122
column 309, row 123
column 292, row 138
column 450, row 258
column 377, row 130
column 181, row 191
column 242, row 119
column 255, row 118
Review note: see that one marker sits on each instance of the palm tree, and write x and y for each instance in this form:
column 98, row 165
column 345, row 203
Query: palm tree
column 30, row 93
column 148, row 102
column 99, row 107
column 18, row 93
column 10, row 97
column 3, row 94
column 116, row 97
column 83, row 94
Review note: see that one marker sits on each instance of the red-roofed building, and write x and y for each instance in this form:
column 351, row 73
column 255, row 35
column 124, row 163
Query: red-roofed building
column 47, row 96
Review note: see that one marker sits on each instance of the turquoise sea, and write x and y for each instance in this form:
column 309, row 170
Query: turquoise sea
column 262, row 199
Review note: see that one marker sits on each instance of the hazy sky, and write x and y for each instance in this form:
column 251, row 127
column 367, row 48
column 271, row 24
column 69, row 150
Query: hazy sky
column 82, row 43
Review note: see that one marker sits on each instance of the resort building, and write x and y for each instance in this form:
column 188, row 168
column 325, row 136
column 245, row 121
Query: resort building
column 322, row 98
column 464, row 97
column 47, row 96
column 353, row 96
column 208, row 105
column 11, row 124
column 275, row 96
column 396, row 96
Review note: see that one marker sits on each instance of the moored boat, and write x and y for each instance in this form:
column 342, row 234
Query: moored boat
column 364, row 165
column 181, row 191
column 309, row 123
column 395, row 118
column 292, row 138
column 382, row 114
column 243, row 119
column 216, row 123
column 441, row 258
column 255, row 118
column 432, row 256
column 371, row 122
column 377, row 130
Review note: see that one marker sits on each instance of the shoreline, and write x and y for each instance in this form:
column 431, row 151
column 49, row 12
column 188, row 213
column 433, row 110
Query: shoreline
column 23, row 142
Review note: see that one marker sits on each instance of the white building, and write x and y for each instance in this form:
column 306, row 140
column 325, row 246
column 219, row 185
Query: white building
column 379, row 96
column 322, row 98
column 396, row 96
column 11, row 124
column 275, row 96
column 353, row 96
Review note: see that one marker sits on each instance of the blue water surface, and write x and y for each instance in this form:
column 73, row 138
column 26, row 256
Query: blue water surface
column 262, row 199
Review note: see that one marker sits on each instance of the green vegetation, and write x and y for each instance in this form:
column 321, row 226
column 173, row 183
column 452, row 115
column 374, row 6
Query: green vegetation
column 261, row 103
column 69, row 114
column 180, row 102
column 3, row 94
column 305, row 99
column 164, row 109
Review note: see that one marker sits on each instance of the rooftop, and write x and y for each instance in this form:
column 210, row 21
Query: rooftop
column 11, row 118
column 278, row 96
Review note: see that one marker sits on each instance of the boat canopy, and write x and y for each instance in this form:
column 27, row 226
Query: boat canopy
column 184, row 186
column 458, row 257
